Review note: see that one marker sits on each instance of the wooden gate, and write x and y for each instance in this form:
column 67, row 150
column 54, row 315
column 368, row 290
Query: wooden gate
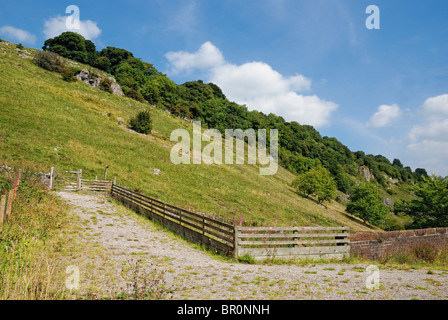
column 61, row 180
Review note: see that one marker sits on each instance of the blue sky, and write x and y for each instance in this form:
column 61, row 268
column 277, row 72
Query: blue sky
column 381, row 91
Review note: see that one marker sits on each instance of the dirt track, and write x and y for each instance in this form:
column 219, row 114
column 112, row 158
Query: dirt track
column 114, row 238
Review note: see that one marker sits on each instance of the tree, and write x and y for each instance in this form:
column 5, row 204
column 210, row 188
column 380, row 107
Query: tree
column 115, row 57
column 397, row 163
column 366, row 203
column 430, row 209
column 70, row 45
column 318, row 181
column 142, row 122
column 420, row 174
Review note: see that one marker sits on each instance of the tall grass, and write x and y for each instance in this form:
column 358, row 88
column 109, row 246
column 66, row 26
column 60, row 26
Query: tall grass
column 30, row 243
column 425, row 254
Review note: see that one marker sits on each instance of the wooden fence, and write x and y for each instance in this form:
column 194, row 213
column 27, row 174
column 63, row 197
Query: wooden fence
column 197, row 228
column 291, row 243
column 6, row 201
column 96, row 185
column 220, row 236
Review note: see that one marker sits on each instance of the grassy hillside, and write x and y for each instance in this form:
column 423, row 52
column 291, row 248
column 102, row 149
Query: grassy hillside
column 45, row 121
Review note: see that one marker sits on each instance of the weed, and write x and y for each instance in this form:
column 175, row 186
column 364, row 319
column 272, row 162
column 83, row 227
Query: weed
column 247, row 259
column 144, row 284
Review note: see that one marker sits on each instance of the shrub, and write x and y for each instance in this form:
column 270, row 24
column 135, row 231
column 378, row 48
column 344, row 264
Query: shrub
column 134, row 94
column 68, row 74
column 48, row 60
column 425, row 252
column 106, row 85
column 142, row 123
column 180, row 111
column 20, row 46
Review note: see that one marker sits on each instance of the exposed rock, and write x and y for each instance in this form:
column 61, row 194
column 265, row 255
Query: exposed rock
column 365, row 171
column 116, row 88
column 91, row 80
column 95, row 81
column 392, row 180
column 388, row 202
column 3, row 167
column 343, row 198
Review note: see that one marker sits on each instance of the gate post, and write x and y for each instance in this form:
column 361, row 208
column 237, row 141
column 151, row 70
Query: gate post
column 235, row 241
column 51, row 178
column 79, row 179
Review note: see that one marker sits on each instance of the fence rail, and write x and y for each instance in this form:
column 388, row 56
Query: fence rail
column 295, row 242
column 96, row 185
column 200, row 229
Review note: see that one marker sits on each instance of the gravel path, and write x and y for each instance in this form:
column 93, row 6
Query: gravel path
column 114, row 238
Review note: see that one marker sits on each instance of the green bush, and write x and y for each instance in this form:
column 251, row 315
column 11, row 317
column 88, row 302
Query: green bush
column 49, row 61
column 134, row 94
column 247, row 259
column 68, row 75
column 142, row 123
column 106, row 85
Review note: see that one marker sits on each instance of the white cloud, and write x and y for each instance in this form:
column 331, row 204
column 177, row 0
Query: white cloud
column 436, row 107
column 385, row 115
column 256, row 85
column 429, row 139
column 55, row 26
column 208, row 56
column 19, row 35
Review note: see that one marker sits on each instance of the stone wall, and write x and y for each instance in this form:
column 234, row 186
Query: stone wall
column 377, row 245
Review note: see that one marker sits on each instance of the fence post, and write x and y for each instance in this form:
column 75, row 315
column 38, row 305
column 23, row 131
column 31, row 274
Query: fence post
column 203, row 225
column 51, row 177
column 2, row 209
column 79, row 179
column 15, row 189
column 9, row 204
column 235, row 241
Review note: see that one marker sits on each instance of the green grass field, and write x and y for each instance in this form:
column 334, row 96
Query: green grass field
column 47, row 122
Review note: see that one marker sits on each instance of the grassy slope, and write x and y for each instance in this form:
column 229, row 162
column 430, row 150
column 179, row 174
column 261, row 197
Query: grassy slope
column 39, row 112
